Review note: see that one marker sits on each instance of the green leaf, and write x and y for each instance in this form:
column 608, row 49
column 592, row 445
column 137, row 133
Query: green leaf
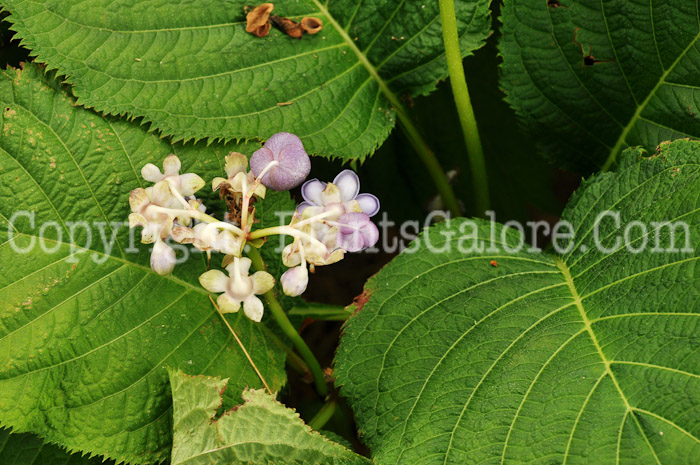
column 639, row 91
column 27, row 449
column 85, row 330
column 260, row 431
column 192, row 70
column 527, row 357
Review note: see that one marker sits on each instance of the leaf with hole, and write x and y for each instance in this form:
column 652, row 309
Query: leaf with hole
column 86, row 328
column 199, row 74
column 589, row 78
column 586, row 356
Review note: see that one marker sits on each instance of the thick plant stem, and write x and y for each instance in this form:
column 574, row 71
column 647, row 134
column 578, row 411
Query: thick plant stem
column 324, row 415
column 289, row 330
column 429, row 160
column 464, row 106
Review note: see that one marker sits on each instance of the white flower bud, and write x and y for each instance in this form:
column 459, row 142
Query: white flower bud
column 295, row 280
column 162, row 258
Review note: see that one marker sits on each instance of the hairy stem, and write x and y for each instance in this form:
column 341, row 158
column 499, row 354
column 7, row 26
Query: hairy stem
column 289, row 330
column 464, row 106
column 326, row 413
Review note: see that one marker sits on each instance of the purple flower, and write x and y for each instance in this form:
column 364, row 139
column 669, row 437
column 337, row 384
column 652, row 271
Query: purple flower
column 317, row 194
column 294, row 163
column 356, row 232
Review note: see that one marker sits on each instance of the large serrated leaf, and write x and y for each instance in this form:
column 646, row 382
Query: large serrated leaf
column 27, row 449
column 85, row 331
column 191, row 69
column 591, row 77
column 260, row 431
column 586, row 357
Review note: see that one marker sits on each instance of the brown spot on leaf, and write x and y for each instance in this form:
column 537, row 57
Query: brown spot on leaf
column 360, row 301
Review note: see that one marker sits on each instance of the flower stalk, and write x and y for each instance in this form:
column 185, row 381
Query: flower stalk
column 465, row 110
column 289, row 330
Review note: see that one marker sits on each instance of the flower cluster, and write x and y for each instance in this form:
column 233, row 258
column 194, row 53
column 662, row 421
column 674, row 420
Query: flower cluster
column 333, row 219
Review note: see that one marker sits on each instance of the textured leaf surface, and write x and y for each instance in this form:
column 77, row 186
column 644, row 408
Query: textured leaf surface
column 197, row 74
column 27, row 449
column 85, row 331
column 583, row 358
column 641, row 91
column 260, row 431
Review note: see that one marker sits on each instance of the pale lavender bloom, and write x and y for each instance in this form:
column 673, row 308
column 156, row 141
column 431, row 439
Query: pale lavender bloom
column 356, row 232
column 295, row 280
column 294, row 163
column 348, row 184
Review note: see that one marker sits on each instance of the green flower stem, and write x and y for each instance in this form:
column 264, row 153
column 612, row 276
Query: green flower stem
column 288, row 329
column 326, row 413
column 464, row 106
column 295, row 362
column 321, row 312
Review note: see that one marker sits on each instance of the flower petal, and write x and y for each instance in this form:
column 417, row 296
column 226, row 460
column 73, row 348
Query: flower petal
column 311, row 191
column 137, row 219
column 253, row 308
column 166, row 227
column 150, row 232
column 356, row 232
column 161, row 194
column 302, row 206
column 262, row 282
column 214, row 281
column 151, row 173
column 171, row 165
column 348, row 184
column 182, row 235
column 260, row 159
column 162, row 258
column 138, row 199
column 190, row 183
column 368, row 203
column 227, row 304
column 217, row 182
column 290, row 255
column 330, row 195
column 278, row 141
column 235, row 163
column 243, row 265
column 228, row 244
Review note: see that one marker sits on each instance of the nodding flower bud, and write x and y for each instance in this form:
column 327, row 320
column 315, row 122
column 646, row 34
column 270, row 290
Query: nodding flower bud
column 293, row 163
column 162, row 258
column 295, row 280
column 356, row 232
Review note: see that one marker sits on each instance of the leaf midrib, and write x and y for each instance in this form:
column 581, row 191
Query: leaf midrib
column 621, row 141
column 578, row 301
column 608, row 372
column 383, row 86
